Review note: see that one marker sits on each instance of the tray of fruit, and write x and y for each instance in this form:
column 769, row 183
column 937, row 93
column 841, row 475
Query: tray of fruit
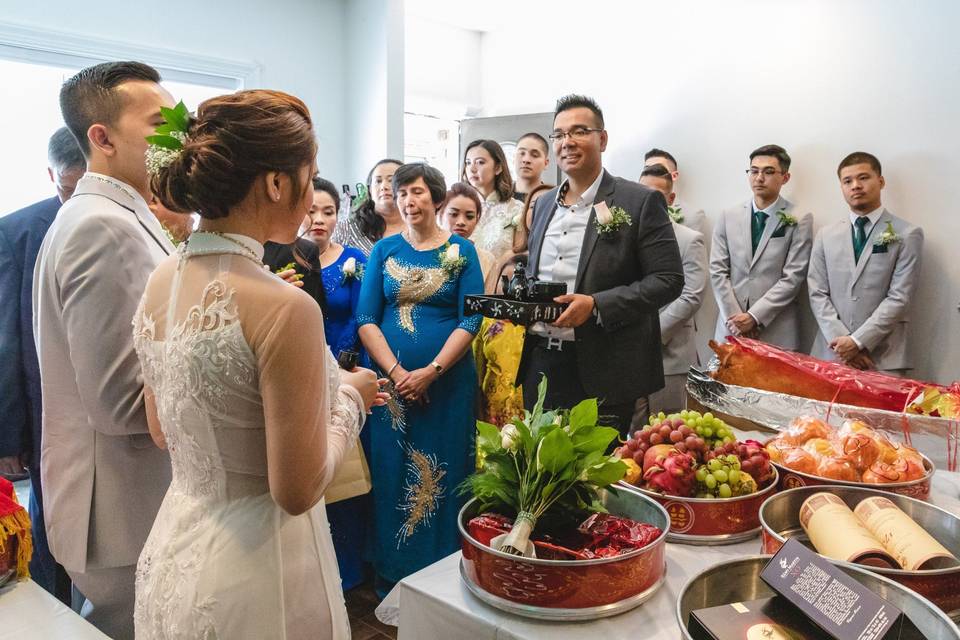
column 811, row 452
column 711, row 485
column 935, row 579
column 545, row 535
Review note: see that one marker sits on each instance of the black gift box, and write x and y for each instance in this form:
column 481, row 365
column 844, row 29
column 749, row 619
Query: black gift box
column 504, row 308
column 831, row 599
column 766, row 619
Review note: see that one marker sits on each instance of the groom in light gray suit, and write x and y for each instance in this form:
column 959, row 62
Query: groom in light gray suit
column 759, row 257
column 677, row 322
column 103, row 478
column 863, row 273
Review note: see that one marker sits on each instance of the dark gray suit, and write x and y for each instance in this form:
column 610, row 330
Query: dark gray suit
column 631, row 273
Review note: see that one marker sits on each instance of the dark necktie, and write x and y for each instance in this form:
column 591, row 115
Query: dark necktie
column 859, row 237
column 756, row 228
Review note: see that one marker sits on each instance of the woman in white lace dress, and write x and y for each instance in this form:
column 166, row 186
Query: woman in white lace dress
column 242, row 390
column 486, row 168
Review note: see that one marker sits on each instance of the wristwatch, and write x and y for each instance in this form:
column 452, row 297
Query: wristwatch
column 437, row 367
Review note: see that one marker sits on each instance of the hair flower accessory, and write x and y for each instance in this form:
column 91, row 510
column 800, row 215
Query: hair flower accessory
column 889, row 236
column 786, row 220
column 450, row 259
column 609, row 219
column 675, row 213
column 167, row 141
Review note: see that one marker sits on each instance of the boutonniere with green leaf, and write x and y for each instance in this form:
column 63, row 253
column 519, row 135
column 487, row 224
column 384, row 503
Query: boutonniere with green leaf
column 352, row 270
column 609, row 219
column 889, row 236
column 513, row 223
column 675, row 213
column 288, row 267
column 786, row 220
column 167, row 141
column 450, row 259
column 547, row 464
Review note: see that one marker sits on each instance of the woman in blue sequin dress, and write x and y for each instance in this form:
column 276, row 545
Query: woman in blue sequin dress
column 412, row 323
column 341, row 271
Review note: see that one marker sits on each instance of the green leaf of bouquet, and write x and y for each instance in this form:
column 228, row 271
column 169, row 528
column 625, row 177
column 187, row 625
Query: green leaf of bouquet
column 583, row 415
column 165, row 128
column 489, row 437
column 502, row 464
column 607, row 473
column 555, row 451
column 165, row 141
column 594, row 439
column 174, row 117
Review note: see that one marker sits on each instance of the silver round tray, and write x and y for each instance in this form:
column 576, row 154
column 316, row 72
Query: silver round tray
column 560, row 615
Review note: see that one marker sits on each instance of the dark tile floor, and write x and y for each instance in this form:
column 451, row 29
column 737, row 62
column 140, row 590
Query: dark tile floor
column 361, row 601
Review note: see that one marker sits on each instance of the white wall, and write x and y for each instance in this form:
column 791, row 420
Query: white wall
column 711, row 81
column 443, row 63
column 375, row 84
column 299, row 45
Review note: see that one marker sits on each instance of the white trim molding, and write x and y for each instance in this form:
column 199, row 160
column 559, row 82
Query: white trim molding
column 60, row 48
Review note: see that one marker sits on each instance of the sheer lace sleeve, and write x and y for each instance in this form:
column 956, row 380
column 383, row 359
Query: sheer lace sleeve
column 311, row 421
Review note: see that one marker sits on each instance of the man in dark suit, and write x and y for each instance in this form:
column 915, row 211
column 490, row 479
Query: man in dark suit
column 611, row 241
column 21, row 234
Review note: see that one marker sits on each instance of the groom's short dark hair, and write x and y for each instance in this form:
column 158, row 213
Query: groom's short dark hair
column 90, row 98
column 576, row 101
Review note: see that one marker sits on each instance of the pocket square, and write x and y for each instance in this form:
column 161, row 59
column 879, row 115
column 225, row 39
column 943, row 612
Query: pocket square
column 779, row 232
column 880, row 248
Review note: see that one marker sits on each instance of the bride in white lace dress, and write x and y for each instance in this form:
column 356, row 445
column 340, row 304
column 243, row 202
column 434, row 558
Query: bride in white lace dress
column 243, row 392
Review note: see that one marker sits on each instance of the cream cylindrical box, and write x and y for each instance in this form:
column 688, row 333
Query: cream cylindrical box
column 909, row 543
column 836, row 532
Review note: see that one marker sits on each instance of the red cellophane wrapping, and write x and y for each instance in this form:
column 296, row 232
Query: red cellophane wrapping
column 752, row 363
column 602, row 535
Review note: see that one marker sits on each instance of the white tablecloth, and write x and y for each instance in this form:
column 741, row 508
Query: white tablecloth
column 434, row 603
column 27, row 612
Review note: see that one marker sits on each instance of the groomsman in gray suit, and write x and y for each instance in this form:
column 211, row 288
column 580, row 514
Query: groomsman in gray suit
column 677, row 325
column 691, row 218
column 863, row 273
column 759, row 257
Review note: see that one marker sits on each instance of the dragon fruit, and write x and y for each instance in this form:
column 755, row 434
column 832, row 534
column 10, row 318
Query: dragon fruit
column 672, row 474
column 654, row 453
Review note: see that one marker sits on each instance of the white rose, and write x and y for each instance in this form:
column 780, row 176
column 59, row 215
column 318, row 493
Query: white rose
column 350, row 267
column 603, row 213
column 509, row 437
column 453, row 252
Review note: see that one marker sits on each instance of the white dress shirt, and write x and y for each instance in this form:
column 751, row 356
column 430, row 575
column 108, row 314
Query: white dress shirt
column 560, row 252
column 873, row 216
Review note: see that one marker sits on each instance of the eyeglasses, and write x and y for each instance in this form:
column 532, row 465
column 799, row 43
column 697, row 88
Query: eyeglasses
column 753, row 172
column 577, row 133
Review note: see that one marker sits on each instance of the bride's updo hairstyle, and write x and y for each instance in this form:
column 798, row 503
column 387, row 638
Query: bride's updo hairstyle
column 232, row 140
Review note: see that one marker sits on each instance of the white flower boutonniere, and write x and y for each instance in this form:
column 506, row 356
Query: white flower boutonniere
column 513, row 223
column 889, row 236
column 609, row 219
column 351, row 270
column 786, row 220
column 676, row 214
column 450, row 259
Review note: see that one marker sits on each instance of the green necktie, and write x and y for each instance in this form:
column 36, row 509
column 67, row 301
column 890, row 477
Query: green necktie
column 756, row 229
column 859, row 237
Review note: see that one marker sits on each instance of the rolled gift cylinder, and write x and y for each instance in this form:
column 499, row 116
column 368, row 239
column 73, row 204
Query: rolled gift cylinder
column 909, row 543
column 836, row 532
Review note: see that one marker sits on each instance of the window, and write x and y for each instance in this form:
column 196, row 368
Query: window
column 433, row 140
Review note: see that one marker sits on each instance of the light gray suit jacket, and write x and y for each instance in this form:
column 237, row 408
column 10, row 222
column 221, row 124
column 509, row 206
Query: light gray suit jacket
column 677, row 327
column 694, row 219
column 869, row 299
column 103, row 477
column 765, row 283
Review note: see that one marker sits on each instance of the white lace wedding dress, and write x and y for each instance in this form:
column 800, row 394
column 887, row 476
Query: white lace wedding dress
column 238, row 364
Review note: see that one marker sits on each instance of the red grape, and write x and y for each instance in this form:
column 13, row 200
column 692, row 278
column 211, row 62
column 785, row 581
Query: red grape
column 675, row 436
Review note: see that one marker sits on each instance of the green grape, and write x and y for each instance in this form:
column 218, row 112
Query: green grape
column 701, row 474
column 733, row 460
column 708, row 496
column 720, row 475
column 711, row 481
column 707, row 432
column 725, row 491
column 714, row 464
column 684, row 414
column 662, row 415
column 733, row 478
column 708, row 416
column 727, row 439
